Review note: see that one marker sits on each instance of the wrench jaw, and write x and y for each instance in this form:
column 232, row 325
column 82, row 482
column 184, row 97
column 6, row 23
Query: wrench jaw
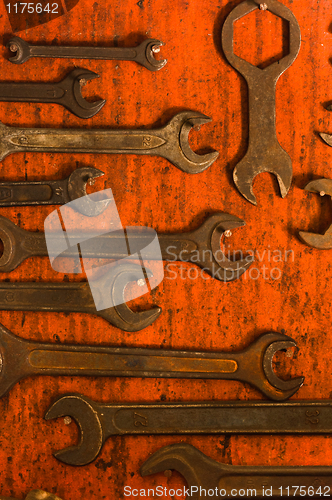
column 77, row 183
column 177, row 149
column 22, row 49
column 14, row 253
column 145, row 55
column 82, row 410
column 327, row 138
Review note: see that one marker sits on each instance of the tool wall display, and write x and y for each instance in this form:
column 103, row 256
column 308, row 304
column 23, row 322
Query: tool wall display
column 139, row 332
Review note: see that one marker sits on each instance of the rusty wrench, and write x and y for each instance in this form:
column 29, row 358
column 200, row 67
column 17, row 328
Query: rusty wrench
column 170, row 142
column 67, row 93
column 77, row 297
column 14, row 194
column 264, row 151
column 223, row 480
column 143, row 54
column 22, row 358
column 202, row 246
column 97, row 421
column 321, row 241
column 36, row 495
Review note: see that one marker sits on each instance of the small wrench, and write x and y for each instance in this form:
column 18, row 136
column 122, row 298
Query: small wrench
column 264, row 151
column 143, row 54
column 97, row 421
column 223, row 480
column 170, row 142
column 22, row 358
column 320, row 241
column 67, row 93
column 14, row 194
column 202, row 247
column 77, row 297
column 36, row 495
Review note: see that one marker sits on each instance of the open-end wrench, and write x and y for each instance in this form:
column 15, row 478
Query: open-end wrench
column 206, row 475
column 320, row 241
column 143, row 54
column 170, row 142
column 77, row 297
column 264, row 151
column 202, row 247
column 67, row 93
column 36, row 495
column 97, row 421
column 14, row 194
column 21, row 358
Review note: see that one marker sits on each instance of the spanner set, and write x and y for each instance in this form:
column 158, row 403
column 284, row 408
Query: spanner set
column 203, row 247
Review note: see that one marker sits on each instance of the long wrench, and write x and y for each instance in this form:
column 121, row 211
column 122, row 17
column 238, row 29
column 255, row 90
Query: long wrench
column 143, row 54
column 77, row 297
column 170, row 142
column 264, row 151
column 97, row 422
column 204, row 474
column 67, row 93
column 202, row 247
column 14, row 194
column 22, row 358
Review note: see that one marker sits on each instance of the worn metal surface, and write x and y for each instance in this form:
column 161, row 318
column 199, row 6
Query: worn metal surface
column 36, row 495
column 264, row 151
column 170, row 141
column 202, row 246
column 143, row 54
column 97, row 422
column 253, row 365
column 201, row 471
column 16, row 194
column 67, row 93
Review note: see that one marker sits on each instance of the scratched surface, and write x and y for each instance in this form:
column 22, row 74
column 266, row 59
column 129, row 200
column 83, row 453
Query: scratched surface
column 288, row 289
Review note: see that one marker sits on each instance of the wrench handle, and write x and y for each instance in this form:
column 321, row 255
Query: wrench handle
column 26, row 92
column 13, row 194
column 105, row 53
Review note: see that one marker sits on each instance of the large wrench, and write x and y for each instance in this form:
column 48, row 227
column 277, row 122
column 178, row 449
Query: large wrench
column 14, row 194
column 97, row 421
column 202, row 247
column 264, row 151
column 170, row 142
column 22, row 358
column 67, row 93
column 36, row 495
column 77, row 297
column 143, row 54
column 204, row 474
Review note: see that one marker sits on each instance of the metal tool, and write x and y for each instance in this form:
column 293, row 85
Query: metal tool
column 327, row 138
column 143, row 54
column 170, row 142
column 221, row 480
column 264, row 151
column 67, row 93
column 36, row 495
column 21, row 358
column 98, row 421
column 202, row 247
column 15, row 194
column 321, row 241
column 77, row 297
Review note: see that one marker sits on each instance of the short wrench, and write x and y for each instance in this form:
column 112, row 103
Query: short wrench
column 143, row 54
column 77, row 297
column 170, row 142
column 223, row 480
column 67, row 93
column 36, row 495
column 264, row 151
column 22, row 358
column 97, row 421
column 202, row 246
column 14, row 194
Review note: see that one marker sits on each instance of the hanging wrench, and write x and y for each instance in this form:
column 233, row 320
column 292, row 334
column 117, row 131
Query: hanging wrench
column 321, row 241
column 202, row 247
column 170, row 142
column 223, row 480
column 264, row 151
column 22, row 358
column 143, row 54
column 36, row 495
column 67, row 93
column 77, row 297
column 15, row 194
column 97, row 421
